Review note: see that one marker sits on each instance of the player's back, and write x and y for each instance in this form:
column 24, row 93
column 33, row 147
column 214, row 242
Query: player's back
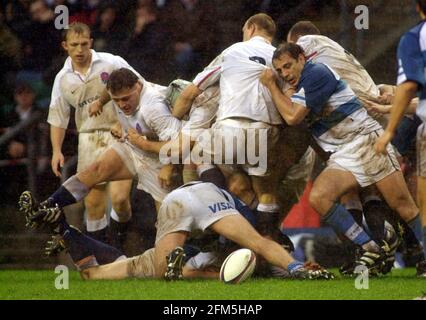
column 242, row 94
column 322, row 49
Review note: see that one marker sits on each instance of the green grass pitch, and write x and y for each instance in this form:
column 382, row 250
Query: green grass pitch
column 20, row 284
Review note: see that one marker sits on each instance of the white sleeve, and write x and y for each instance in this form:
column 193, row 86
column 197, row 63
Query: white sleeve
column 59, row 109
column 162, row 122
column 210, row 75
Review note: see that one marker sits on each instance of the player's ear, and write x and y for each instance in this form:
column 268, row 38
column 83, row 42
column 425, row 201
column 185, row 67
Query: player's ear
column 64, row 45
column 91, row 43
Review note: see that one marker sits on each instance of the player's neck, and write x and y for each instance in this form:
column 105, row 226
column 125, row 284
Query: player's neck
column 82, row 67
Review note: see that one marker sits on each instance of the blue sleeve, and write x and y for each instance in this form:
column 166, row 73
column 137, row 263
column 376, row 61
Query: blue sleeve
column 318, row 84
column 411, row 65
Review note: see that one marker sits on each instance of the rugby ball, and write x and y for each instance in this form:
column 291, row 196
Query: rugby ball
column 238, row 266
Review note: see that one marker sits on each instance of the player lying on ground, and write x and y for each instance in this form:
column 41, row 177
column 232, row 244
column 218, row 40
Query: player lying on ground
column 193, row 207
column 342, row 127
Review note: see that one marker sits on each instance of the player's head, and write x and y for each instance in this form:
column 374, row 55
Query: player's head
column 24, row 95
column 421, row 8
column 300, row 29
column 289, row 60
column 125, row 88
column 77, row 42
column 259, row 25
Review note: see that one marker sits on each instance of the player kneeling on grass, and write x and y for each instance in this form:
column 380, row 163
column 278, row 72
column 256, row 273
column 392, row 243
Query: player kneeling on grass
column 196, row 206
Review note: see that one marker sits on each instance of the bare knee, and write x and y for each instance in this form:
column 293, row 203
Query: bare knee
column 315, row 198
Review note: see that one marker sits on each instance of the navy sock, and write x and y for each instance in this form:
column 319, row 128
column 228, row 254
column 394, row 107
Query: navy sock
column 357, row 215
column 424, row 241
column 375, row 216
column 416, row 225
column 81, row 246
column 342, row 221
column 62, row 197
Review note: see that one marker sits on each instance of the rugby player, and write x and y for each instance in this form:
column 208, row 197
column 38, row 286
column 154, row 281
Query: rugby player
column 142, row 111
column 194, row 207
column 80, row 84
column 411, row 81
column 342, row 127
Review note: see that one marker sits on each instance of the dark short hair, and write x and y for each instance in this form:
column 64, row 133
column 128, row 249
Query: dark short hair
column 292, row 49
column 303, row 28
column 122, row 78
column 422, row 5
column 22, row 87
column 78, row 28
column 264, row 22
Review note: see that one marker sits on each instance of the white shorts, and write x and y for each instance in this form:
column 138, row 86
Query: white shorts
column 421, row 150
column 91, row 145
column 359, row 158
column 192, row 208
column 238, row 141
column 146, row 168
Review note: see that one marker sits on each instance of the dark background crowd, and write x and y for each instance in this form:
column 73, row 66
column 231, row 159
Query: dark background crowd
column 161, row 39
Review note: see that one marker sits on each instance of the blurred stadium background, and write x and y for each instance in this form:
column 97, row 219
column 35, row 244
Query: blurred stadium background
column 180, row 37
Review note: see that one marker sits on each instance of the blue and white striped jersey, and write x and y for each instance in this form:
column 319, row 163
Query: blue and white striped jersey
column 336, row 115
column 412, row 63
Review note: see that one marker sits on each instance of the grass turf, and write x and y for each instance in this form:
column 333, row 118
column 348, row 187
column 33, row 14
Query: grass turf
column 20, row 284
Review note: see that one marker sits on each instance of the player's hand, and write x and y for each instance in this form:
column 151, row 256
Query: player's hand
column 382, row 142
column 135, row 138
column 57, row 162
column 165, row 177
column 95, row 108
column 268, row 77
column 117, row 131
column 375, row 109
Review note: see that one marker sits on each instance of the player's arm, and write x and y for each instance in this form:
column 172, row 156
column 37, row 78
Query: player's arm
column 405, row 92
column 185, row 100
column 293, row 113
column 96, row 107
column 410, row 78
column 58, row 118
column 208, row 77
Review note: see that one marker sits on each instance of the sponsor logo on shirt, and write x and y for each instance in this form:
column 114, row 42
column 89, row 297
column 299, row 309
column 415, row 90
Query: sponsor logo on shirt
column 219, row 206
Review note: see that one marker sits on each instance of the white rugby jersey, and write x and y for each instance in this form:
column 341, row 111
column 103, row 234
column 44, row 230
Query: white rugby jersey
column 237, row 69
column 322, row 49
column 152, row 118
column 72, row 89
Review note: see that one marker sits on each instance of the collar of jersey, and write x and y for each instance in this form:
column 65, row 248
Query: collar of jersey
column 256, row 38
column 95, row 57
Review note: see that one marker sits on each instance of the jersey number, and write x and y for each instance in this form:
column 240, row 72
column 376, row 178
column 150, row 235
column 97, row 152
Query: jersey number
column 258, row 60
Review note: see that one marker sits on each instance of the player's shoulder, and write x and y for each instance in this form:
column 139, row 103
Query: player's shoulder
column 153, row 98
column 418, row 30
column 107, row 57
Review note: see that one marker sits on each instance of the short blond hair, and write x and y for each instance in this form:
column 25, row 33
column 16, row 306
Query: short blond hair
column 263, row 22
column 78, row 28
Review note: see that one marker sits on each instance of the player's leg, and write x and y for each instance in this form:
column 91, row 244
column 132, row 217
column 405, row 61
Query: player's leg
column 163, row 250
column 395, row 192
column 421, row 187
column 141, row 266
column 329, row 186
column 108, row 167
column 96, row 219
column 247, row 237
column 121, row 212
column 421, row 196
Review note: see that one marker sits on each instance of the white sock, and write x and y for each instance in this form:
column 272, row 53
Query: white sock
column 95, row 225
